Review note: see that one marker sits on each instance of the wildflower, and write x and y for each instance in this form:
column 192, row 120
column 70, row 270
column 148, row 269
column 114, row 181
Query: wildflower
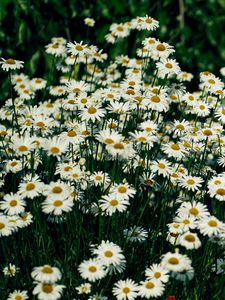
column 150, row 288
column 195, row 209
column 109, row 253
column 77, row 49
column 56, row 49
column 30, row 188
column 210, row 226
column 167, row 67
column 12, row 204
column 84, row 288
column 11, row 64
column 175, row 150
column 10, row 270
column 56, row 205
column 89, row 22
column 190, row 240
column 111, row 203
column 125, row 289
column 191, row 183
column 123, row 191
column 176, row 262
column 92, row 113
column 18, row 295
column 46, row 274
column 157, row 272
column 92, row 270
column 55, row 146
column 48, row 291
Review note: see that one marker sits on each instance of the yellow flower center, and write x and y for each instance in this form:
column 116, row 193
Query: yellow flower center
column 212, row 223
column 23, row 148
column 189, row 238
column 2, row 225
column 190, row 181
column 92, row 269
column 13, row 203
column 79, row 48
column 122, row 189
column 161, row 166
column 108, row 253
column 155, row 99
column 126, row 290
column 173, row 261
column 40, row 124
column 175, row 147
column 220, row 192
column 57, row 190
column 30, row 186
column 58, row 203
column 98, row 177
column 168, row 66
column 194, row 211
column 211, row 81
column 118, row 146
column 47, row 270
column 10, row 61
column 149, row 285
column 71, row 133
column 55, row 150
column 13, row 164
column 160, row 47
column 92, row 110
column 157, row 275
column 114, row 202
column 180, row 127
column 18, row 297
column 109, row 141
column 47, row 288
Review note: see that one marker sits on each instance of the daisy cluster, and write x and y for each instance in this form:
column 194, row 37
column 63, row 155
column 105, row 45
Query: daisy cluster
column 116, row 158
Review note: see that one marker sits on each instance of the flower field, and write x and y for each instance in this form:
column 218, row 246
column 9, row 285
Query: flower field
column 112, row 174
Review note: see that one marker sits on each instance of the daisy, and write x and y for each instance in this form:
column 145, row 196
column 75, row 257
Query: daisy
column 194, row 209
column 89, row 22
column 12, row 204
column 175, row 262
column 84, row 288
column 156, row 102
column 189, row 240
column 11, row 64
column 124, row 150
column 30, row 188
column 147, row 23
column 77, row 49
column 157, row 272
column 185, row 76
column 56, row 49
column 46, row 274
column 123, row 191
column 109, row 253
column 100, row 178
column 10, row 270
column 167, row 67
column 56, row 205
column 162, row 167
column 38, row 83
column 181, row 127
column 47, row 291
column 161, row 50
column 22, row 145
column 119, row 30
column 210, row 226
column 220, row 114
column 201, row 108
column 135, row 234
column 150, row 289
column 57, row 188
column 18, row 295
column 55, row 146
column 175, row 150
column 111, row 203
column 92, row 113
column 6, row 228
column 92, row 269
column 191, row 183
column 13, row 166
column 125, row 289
column 108, row 136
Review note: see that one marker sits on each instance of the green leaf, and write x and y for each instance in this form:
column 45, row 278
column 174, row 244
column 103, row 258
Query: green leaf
column 23, row 5
column 21, row 33
column 32, row 65
column 3, row 10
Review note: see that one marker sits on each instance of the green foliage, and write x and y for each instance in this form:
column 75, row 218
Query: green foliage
column 194, row 27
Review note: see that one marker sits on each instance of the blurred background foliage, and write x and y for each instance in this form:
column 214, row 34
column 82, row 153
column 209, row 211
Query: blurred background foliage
column 194, row 27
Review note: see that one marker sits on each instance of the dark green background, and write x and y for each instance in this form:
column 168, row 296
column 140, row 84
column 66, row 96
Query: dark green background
column 26, row 26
